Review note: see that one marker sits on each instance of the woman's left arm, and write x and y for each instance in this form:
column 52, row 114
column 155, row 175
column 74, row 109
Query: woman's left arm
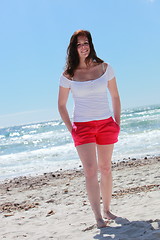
column 112, row 86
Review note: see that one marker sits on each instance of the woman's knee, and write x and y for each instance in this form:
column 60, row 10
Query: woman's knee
column 105, row 170
column 90, row 172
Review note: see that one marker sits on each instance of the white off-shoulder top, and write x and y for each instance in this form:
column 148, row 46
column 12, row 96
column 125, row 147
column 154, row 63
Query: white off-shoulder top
column 90, row 97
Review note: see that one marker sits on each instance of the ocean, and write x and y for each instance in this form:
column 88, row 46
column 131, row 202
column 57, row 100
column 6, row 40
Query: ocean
column 47, row 146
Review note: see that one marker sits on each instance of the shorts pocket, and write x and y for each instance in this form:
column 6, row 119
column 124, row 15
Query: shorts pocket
column 74, row 128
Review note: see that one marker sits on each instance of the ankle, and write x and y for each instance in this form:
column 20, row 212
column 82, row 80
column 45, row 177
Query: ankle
column 101, row 223
column 106, row 210
column 109, row 215
column 98, row 217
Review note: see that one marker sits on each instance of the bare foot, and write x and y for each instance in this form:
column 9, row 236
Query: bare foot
column 108, row 215
column 101, row 223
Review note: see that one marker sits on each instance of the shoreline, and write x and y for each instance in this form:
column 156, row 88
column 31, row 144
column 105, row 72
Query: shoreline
column 126, row 161
column 56, row 205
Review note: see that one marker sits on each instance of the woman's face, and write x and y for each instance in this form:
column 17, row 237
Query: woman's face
column 83, row 47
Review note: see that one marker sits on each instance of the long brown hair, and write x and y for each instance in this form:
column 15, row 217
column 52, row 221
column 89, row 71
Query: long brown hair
column 72, row 60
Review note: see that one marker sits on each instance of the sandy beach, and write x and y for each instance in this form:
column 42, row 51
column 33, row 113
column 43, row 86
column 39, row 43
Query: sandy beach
column 55, row 205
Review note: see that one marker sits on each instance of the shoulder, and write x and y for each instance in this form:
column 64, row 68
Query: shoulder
column 105, row 66
column 109, row 71
column 65, row 81
column 64, row 74
column 108, row 67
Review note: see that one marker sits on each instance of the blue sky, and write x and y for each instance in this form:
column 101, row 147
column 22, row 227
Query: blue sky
column 34, row 35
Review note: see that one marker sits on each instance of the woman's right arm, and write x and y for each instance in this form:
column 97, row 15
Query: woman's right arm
column 62, row 102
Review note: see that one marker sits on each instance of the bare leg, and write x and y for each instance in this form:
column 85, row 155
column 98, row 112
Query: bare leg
column 104, row 163
column 87, row 154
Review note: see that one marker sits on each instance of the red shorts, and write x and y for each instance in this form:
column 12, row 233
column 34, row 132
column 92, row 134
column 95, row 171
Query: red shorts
column 102, row 132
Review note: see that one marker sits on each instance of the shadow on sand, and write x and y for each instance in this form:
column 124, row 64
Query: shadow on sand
column 130, row 230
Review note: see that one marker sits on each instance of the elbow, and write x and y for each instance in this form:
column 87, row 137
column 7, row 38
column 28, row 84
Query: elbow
column 116, row 98
column 61, row 107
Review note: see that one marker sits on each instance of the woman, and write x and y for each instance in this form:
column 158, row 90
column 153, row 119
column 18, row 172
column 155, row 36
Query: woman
column 93, row 129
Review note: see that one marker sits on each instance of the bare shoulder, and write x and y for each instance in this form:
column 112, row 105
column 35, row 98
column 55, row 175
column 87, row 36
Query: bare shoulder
column 67, row 76
column 105, row 66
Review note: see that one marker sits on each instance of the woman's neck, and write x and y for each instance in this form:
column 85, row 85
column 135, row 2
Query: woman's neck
column 83, row 65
